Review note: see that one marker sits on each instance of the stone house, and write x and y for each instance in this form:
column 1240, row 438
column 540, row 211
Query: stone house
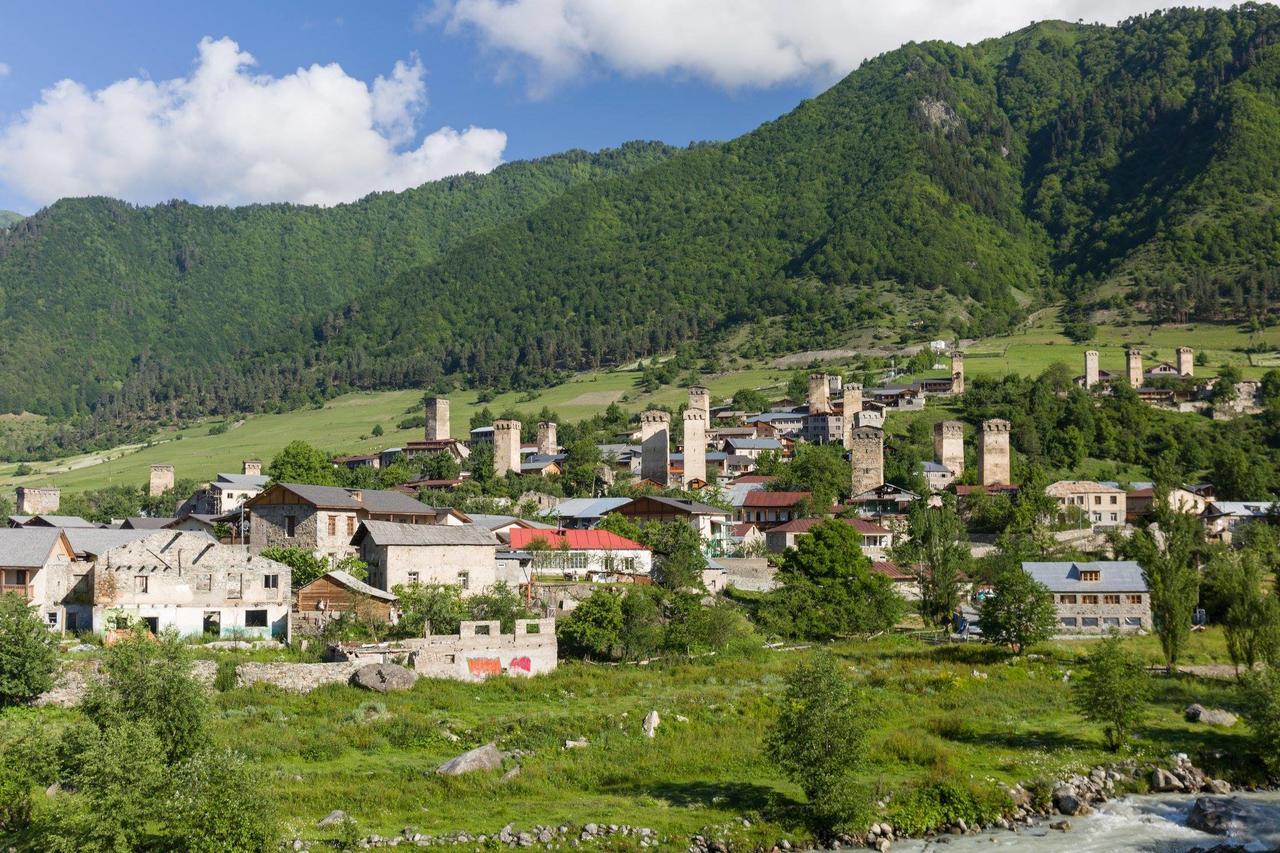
column 1093, row 598
column 885, row 499
column 478, row 651
column 578, row 554
column 711, row 522
column 323, row 519
column 937, row 475
column 1102, row 505
column 187, row 581
column 1221, row 519
column 34, row 564
column 401, row 554
column 1141, row 497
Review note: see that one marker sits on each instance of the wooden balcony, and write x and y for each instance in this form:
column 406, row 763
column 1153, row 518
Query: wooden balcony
column 23, row 590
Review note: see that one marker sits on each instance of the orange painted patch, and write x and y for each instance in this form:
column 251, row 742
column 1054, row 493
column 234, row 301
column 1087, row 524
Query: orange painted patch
column 484, row 666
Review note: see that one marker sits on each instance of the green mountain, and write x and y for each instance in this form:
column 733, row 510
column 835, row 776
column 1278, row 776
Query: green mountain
column 96, row 293
column 1093, row 163
column 8, row 218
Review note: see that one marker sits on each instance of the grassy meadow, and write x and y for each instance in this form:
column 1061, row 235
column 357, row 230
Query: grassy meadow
column 969, row 714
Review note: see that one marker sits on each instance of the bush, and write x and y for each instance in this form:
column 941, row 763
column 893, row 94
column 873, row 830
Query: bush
column 24, row 752
column 1113, row 691
column 28, row 652
column 217, row 804
column 1262, row 712
column 149, row 681
column 225, row 677
column 945, row 801
column 593, row 628
column 819, row 741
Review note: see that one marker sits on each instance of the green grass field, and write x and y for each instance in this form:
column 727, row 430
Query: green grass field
column 345, row 423
column 968, row 713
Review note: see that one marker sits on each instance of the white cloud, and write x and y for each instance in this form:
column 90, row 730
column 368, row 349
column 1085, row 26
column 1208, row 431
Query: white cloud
column 4, row 69
column 737, row 43
column 227, row 136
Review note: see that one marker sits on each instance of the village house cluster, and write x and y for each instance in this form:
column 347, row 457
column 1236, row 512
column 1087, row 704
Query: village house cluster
column 202, row 570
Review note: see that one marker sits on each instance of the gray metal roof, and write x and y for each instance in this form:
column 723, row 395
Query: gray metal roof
column 1244, row 509
column 147, row 523
column 27, row 547
column 54, row 521
column 1064, row 576
column 373, row 500
column 933, row 467
column 753, row 443
column 242, row 481
column 493, row 522
column 354, row 584
column 391, row 533
column 587, row 507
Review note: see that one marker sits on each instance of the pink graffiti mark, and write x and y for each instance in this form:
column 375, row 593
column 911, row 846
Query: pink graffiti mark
column 522, row 664
column 484, row 666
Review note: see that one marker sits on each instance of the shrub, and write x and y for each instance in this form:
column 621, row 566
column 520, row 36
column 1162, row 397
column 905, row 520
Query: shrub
column 217, row 804
column 24, row 751
column 1113, row 691
column 1262, row 712
column 28, row 652
column 819, row 741
column 593, row 628
column 945, row 801
column 225, row 677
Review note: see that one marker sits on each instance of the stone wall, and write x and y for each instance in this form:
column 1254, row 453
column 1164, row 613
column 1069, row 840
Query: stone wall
column 296, row 677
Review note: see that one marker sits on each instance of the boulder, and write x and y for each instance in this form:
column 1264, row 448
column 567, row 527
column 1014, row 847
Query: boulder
column 335, row 816
column 1067, row 802
column 1162, row 781
column 651, row 721
column 1197, row 713
column 1216, row 816
column 1217, row 786
column 383, row 677
column 487, row 757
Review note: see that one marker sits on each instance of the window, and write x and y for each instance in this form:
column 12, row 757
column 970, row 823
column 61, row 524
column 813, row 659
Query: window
column 270, row 581
column 1066, row 599
column 140, row 583
column 1113, row 500
column 255, row 618
column 1111, row 620
column 1097, row 500
column 333, row 525
column 482, row 630
column 1135, row 599
column 1110, row 599
column 290, row 525
column 1090, row 575
column 52, row 616
column 1113, row 517
column 351, row 525
column 1133, row 621
column 1089, row 621
column 413, row 577
column 464, row 580
column 1088, row 599
column 1069, row 621
column 234, row 587
column 13, row 577
column 204, row 583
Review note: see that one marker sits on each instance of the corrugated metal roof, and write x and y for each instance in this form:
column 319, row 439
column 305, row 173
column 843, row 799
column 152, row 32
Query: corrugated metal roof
column 356, row 585
column 94, row 541
column 27, row 547
column 762, row 498
column 588, row 507
column 576, row 540
column 804, row 525
column 1064, row 576
column 392, row 533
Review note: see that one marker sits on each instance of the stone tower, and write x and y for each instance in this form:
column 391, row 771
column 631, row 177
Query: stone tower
column 866, row 457
column 655, row 446
column 506, row 447
column 161, row 480
column 1091, row 368
column 819, row 394
column 700, row 400
column 547, row 445
column 37, row 501
column 957, row 372
column 1186, row 361
column 437, row 419
column 852, row 392
column 1133, row 365
column 993, row 452
column 251, row 468
column 948, row 445
column 695, row 446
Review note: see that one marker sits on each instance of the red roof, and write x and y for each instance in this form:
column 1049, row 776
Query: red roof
column 574, row 540
column 743, row 529
column 890, row 569
column 761, row 498
column 754, row 478
column 804, row 525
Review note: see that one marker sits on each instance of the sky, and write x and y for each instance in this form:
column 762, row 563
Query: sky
column 323, row 102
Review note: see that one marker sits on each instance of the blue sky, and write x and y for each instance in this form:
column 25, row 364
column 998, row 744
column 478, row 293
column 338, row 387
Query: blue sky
column 533, row 76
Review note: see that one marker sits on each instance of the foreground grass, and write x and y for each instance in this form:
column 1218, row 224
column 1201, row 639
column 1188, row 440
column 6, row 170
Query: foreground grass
column 967, row 713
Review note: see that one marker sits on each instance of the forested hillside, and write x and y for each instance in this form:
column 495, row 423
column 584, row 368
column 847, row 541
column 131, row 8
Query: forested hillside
column 1091, row 163
column 95, row 291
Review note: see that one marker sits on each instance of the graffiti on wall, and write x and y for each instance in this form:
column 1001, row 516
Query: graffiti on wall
column 484, row 666
column 521, row 664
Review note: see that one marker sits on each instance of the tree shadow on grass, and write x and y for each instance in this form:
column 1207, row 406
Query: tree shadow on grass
column 1043, row 740
column 739, row 797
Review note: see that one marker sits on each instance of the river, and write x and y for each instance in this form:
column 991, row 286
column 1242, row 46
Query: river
column 1153, row 823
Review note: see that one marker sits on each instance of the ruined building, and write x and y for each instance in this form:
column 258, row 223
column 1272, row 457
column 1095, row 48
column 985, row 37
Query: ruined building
column 161, row 480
